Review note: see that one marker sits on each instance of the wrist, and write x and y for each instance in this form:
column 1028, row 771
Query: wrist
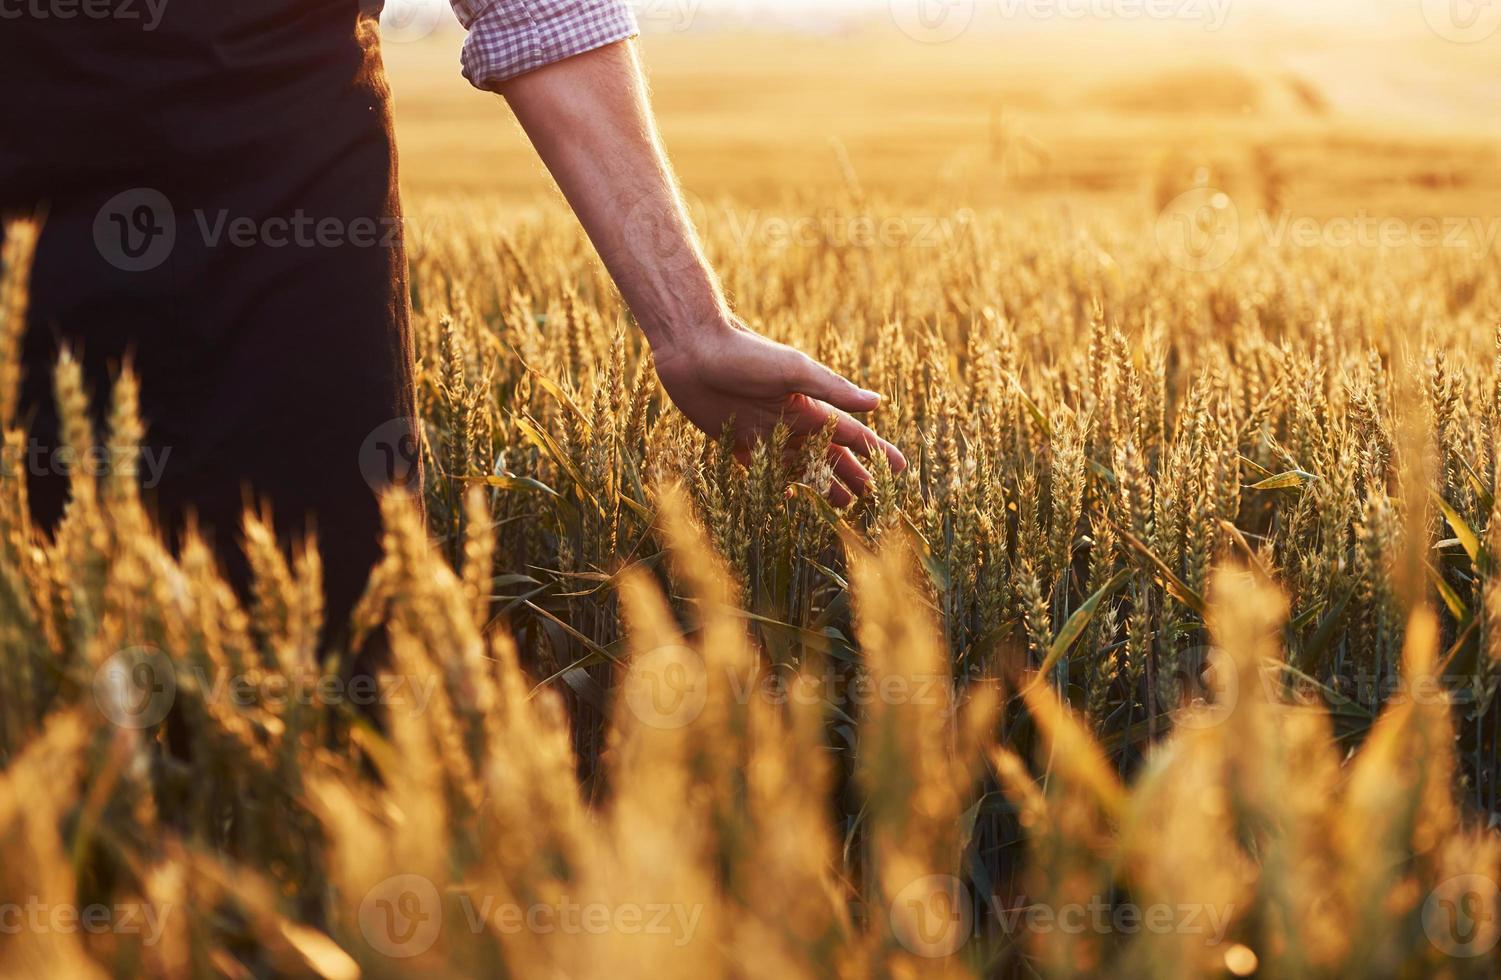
column 689, row 341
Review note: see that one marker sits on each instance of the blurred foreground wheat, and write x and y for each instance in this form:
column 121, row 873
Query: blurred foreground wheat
column 1174, row 654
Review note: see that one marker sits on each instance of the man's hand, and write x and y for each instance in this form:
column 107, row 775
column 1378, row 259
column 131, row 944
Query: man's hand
column 591, row 122
column 735, row 376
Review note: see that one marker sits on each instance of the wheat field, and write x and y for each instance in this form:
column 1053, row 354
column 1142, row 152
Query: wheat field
column 1173, row 654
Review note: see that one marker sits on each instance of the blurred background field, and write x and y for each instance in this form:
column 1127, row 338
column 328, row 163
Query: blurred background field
column 1190, row 600
column 1358, row 103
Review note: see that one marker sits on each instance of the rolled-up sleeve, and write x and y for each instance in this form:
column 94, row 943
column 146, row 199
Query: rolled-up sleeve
column 512, row 37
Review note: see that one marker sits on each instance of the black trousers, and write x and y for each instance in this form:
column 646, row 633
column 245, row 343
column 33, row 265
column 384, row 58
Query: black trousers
column 217, row 185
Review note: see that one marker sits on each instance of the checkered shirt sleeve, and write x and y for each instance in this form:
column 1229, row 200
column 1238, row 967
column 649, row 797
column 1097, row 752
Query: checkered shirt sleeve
column 512, row 37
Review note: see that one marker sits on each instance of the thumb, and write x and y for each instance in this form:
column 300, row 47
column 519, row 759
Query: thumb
column 817, row 381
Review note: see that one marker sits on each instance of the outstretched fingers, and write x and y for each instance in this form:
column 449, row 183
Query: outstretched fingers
column 816, row 381
column 856, row 435
column 849, row 470
column 806, row 416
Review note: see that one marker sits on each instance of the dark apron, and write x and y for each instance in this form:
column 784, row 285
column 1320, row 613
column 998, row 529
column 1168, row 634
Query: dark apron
column 220, row 210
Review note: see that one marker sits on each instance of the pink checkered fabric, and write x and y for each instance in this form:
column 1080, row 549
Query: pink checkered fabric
column 511, row 37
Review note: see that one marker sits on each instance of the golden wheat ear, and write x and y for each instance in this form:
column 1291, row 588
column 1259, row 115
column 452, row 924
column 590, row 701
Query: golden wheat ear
column 20, row 238
column 16, row 532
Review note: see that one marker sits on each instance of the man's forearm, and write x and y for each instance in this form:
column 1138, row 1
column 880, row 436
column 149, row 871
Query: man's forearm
column 589, row 119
